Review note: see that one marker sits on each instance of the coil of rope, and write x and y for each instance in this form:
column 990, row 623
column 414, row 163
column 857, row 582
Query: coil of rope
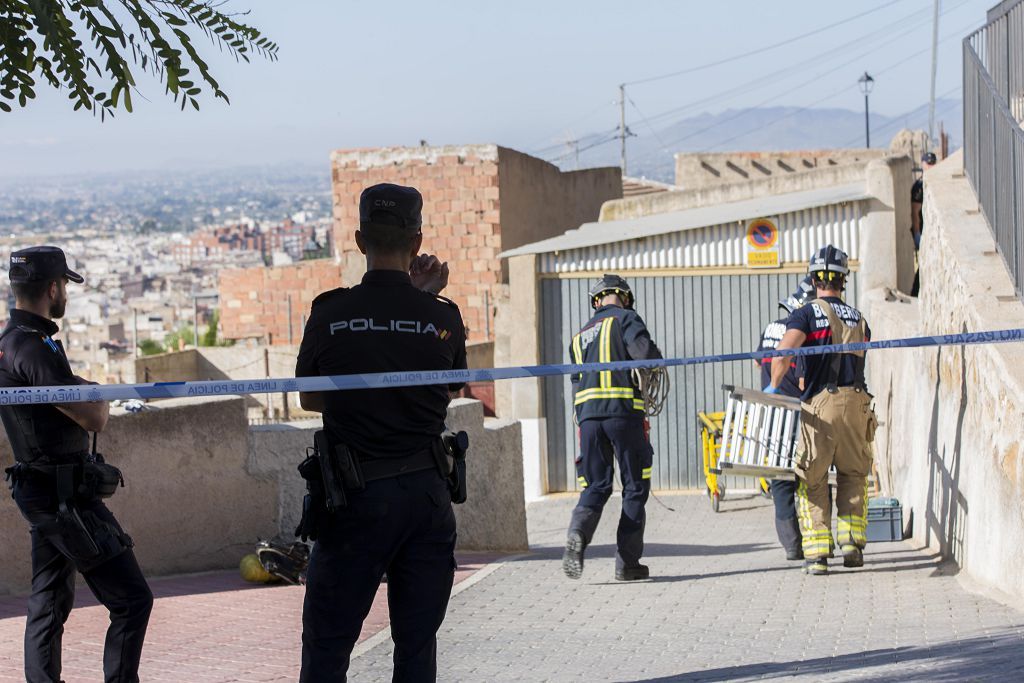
column 654, row 386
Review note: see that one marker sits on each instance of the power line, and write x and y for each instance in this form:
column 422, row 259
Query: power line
column 817, row 77
column 827, row 97
column 761, row 49
column 875, row 35
column 897, row 121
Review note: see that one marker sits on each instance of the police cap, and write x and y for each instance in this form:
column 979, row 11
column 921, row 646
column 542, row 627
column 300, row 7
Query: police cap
column 388, row 204
column 37, row 264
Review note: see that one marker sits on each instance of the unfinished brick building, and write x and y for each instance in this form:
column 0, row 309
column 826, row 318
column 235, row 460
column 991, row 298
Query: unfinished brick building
column 478, row 200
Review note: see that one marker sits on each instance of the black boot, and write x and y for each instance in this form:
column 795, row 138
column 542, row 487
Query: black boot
column 790, row 538
column 572, row 559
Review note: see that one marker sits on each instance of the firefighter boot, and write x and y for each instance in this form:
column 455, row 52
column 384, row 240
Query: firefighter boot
column 572, row 559
column 852, row 556
column 789, row 536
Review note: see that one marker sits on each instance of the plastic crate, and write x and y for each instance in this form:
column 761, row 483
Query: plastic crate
column 885, row 520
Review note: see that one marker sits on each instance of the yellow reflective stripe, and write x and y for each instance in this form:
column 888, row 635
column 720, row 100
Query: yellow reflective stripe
column 625, row 393
column 577, row 349
column 605, row 351
column 638, row 404
column 582, row 481
column 646, row 473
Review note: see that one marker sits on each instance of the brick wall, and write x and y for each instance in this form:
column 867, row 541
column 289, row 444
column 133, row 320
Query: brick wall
column 477, row 201
column 254, row 301
column 461, row 217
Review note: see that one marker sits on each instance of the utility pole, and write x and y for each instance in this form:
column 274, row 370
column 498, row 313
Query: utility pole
column 935, row 45
column 195, row 321
column 622, row 124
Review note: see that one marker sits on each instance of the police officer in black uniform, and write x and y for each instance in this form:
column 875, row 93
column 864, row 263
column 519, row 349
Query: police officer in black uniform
column 787, row 526
column 70, row 527
column 611, row 417
column 401, row 522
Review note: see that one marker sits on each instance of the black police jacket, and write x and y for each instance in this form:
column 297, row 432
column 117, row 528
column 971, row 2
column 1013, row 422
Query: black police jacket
column 770, row 339
column 613, row 334
column 29, row 356
column 383, row 324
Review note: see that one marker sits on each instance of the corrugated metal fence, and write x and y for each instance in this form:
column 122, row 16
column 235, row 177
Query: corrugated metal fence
column 688, row 315
column 993, row 139
column 718, row 246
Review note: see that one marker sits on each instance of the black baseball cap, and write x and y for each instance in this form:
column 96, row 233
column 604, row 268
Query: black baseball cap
column 928, row 157
column 388, row 204
column 36, row 264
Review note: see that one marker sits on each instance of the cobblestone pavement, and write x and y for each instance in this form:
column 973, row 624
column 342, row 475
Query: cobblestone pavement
column 723, row 605
column 210, row 627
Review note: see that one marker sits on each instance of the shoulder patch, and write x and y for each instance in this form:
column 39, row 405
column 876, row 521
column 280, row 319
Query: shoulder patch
column 329, row 294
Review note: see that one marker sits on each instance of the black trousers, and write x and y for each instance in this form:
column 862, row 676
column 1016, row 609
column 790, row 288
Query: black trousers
column 404, row 526
column 602, row 442
column 117, row 583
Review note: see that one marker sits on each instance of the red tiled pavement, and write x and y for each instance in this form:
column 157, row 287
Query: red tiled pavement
column 205, row 628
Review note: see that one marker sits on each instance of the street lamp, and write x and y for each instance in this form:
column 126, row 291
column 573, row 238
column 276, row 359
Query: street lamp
column 866, row 83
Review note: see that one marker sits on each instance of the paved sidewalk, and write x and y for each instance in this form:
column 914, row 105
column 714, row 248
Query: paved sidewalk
column 722, row 606
column 205, row 628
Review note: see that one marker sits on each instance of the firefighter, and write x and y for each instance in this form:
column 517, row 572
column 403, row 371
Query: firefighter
column 837, row 423
column 610, row 413
column 783, row 491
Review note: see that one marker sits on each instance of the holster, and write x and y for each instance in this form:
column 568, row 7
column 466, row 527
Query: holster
column 313, row 505
column 451, row 462
column 87, row 540
column 99, row 480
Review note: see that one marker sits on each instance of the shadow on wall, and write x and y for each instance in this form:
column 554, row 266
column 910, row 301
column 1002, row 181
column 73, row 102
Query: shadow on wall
column 993, row 657
column 946, row 514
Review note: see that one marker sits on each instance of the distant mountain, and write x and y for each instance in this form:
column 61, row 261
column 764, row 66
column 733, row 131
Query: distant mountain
column 650, row 153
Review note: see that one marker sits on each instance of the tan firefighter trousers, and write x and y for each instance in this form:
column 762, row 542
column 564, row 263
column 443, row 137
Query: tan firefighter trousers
column 835, row 429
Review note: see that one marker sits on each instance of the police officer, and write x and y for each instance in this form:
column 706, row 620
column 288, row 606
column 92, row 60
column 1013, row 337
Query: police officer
column 837, row 423
column 786, row 524
column 402, row 522
column 70, row 528
column 610, row 413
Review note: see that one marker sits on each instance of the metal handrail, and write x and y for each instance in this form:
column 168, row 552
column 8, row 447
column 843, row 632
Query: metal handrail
column 993, row 138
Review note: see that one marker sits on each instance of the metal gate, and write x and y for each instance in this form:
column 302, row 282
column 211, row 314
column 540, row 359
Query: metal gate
column 688, row 315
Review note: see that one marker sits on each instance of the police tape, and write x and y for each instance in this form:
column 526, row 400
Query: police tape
column 386, row 380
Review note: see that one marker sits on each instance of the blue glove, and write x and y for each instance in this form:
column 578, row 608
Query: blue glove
column 770, row 389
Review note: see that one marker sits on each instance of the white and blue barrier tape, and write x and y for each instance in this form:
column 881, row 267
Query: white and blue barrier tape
column 111, row 392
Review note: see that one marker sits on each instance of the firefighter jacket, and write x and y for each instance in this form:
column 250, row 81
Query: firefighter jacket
column 613, row 334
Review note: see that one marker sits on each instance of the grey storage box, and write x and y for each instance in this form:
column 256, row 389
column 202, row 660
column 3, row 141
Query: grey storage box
column 885, row 520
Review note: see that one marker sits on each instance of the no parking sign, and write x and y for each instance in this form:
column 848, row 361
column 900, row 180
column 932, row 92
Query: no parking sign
column 762, row 243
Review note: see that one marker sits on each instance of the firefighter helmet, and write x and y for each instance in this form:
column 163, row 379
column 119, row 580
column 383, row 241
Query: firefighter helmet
column 804, row 293
column 611, row 284
column 828, row 264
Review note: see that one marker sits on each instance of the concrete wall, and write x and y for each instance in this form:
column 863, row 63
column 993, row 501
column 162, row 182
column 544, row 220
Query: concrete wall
column 228, row 362
column 950, row 444
column 665, row 202
column 539, row 201
column 696, row 170
column 202, row 486
column 494, row 516
column 189, row 502
column 886, row 244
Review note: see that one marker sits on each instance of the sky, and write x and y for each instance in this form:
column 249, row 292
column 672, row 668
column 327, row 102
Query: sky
column 524, row 74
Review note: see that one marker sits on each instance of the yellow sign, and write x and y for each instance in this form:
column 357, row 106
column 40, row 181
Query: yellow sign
column 763, row 259
column 762, row 243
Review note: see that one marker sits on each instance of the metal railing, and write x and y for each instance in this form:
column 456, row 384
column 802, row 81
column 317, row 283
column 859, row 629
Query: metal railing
column 993, row 138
